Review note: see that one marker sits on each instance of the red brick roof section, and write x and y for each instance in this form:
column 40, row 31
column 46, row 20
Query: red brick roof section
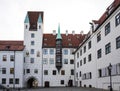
column 108, row 11
column 11, row 46
column 33, row 18
column 68, row 41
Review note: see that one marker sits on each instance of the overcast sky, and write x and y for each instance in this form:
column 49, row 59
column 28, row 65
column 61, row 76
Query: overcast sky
column 71, row 14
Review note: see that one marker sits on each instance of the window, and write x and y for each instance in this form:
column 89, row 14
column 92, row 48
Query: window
column 77, row 64
column 32, row 60
column 54, row 72
column 80, row 74
column 26, row 26
column 107, row 48
column 39, row 27
column 89, row 57
column 32, row 35
column 3, row 80
column 10, row 81
column 77, row 54
column 98, row 36
column 107, row 29
column 72, row 71
column 38, row 54
column 3, row 70
column 100, row 73
column 85, row 60
column 62, row 82
column 27, row 70
column 65, row 52
column 84, row 49
column 4, row 57
column 36, row 71
column 80, row 62
column 89, row 44
column 99, row 53
column 32, row 42
column 81, row 52
column 62, row 72
column 71, row 61
column 118, row 42
column 45, row 72
column 32, row 51
column 117, row 19
column 45, row 51
column 65, row 61
column 90, row 75
column 51, row 61
column 11, row 70
column 16, row 81
column 11, row 57
column 45, row 61
column 51, row 51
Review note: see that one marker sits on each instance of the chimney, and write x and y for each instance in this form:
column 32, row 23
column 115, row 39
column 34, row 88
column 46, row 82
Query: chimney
column 66, row 32
column 81, row 32
column 73, row 32
column 54, row 32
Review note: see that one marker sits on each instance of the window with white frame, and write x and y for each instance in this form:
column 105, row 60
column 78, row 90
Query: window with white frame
column 32, row 35
column 45, row 51
column 118, row 42
column 99, row 53
column 65, row 61
column 107, row 48
column 32, row 51
column 65, row 51
column 107, row 29
column 45, row 61
column 98, row 36
column 51, row 60
column 117, row 19
column 51, row 51
column 32, row 42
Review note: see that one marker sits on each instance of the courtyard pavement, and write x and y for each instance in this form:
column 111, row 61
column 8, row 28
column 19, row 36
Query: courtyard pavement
column 58, row 89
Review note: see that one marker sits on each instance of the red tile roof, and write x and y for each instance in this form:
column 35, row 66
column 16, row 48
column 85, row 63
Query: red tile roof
column 69, row 41
column 11, row 46
column 107, row 13
column 33, row 18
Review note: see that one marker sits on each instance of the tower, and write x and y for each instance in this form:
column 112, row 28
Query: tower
column 33, row 35
column 58, row 50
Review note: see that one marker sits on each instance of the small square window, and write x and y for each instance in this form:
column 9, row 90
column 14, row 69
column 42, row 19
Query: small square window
column 65, row 61
column 11, row 81
column 54, row 72
column 16, row 81
column 32, row 35
column 4, row 57
column 62, row 72
column 45, row 72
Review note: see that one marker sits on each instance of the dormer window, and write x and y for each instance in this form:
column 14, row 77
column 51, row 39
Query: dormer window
column 7, row 47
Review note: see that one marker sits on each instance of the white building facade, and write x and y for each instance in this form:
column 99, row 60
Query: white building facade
column 100, row 48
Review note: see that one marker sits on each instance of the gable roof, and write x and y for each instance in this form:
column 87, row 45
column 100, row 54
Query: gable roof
column 68, row 41
column 11, row 46
column 107, row 13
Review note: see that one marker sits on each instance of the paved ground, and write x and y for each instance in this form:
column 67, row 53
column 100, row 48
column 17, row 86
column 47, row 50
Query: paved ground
column 60, row 89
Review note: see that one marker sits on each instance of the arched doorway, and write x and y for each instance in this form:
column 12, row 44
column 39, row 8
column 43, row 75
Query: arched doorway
column 32, row 82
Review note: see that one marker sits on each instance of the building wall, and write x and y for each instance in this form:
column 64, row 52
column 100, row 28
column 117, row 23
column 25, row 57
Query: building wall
column 55, row 80
column 10, row 64
column 100, row 63
column 33, row 61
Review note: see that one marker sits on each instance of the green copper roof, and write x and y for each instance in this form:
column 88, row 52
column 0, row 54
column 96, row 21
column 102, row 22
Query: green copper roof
column 59, row 35
column 39, row 19
column 26, row 19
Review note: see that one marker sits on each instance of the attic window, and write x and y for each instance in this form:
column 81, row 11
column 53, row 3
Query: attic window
column 77, row 36
column 45, row 44
column 69, row 39
column 45, row 39
column 70, row 44
column 7, row 47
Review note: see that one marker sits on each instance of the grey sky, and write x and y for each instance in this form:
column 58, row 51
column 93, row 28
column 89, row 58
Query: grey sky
column 71, row 14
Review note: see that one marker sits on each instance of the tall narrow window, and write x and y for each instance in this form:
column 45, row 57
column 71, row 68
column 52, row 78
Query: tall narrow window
column 107, row 29
column 98, row 36
column 117, row 19
column 11, row 70
column 3, row 70
column 51, row 51
column 84, row 49
column 89, row 57
column 72, row 71
column 62, row 72
column 4, row 57
column 107, row 48
column 16, row 81
column 100, row 73
column 99, row 53
column 11, row 57
column 89, row 44
column 32, row 51
column 45, row 51
column 11, row 81
column 3, row 80
column 85, row 60
column 118, row 42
